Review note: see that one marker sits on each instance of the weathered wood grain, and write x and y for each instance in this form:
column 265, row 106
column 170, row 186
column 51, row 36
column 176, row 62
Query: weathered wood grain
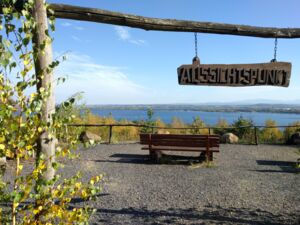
column 236, row 75
column 45, row 79
column 147, row 23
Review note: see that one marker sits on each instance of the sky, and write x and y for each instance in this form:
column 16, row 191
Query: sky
column 121, row 65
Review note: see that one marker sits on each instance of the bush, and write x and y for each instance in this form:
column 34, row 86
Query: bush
column 271, row 135
column 221, row 124
column 198, row 126
column 178, row 123
column 149, row 122
column 289, row 131
column 244, row 130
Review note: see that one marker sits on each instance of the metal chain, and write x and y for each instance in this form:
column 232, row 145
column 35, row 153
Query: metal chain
column 275, row 51
column 196, row 44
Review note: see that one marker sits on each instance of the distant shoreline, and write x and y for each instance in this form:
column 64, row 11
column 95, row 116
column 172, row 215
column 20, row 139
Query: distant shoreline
column 262, row 108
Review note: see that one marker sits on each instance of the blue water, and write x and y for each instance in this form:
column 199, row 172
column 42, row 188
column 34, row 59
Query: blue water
column 210, row 118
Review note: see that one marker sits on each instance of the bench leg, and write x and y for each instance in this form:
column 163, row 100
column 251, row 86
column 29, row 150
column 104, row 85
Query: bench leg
column 152, row 154
column 210, row 156
column 155, row 155
column 206, row 156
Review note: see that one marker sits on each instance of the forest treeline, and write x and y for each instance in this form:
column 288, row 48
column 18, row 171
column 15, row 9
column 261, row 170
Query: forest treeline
column 242, row 127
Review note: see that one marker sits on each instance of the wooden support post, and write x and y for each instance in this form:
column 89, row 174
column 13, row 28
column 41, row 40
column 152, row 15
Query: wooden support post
column 209, row 131
column 110, row 133
column 256, row 137
column 45, row 79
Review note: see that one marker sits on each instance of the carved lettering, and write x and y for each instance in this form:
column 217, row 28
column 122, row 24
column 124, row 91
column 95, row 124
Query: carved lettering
column 236, row 75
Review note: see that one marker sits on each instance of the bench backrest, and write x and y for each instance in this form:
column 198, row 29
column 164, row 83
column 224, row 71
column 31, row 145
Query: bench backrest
column 180, row 140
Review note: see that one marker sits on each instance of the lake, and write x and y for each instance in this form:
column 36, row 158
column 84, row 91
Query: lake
column 210, row 118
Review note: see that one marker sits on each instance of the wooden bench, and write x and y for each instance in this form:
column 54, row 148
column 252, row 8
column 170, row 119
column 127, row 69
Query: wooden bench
column 155, row 143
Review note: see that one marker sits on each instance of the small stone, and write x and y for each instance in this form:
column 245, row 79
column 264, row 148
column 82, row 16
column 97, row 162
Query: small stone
column 162, row 132
column 87, row 136
column 229, row 138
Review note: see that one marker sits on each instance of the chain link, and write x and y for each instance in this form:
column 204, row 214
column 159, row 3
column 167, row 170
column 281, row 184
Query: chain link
column 196, row 44
column 275, row 48
column 275, row 51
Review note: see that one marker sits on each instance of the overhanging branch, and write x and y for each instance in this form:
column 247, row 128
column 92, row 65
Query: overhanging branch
column 147, row 23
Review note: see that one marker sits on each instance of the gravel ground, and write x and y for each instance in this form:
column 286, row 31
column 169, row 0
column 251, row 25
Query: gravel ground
column 246, row 185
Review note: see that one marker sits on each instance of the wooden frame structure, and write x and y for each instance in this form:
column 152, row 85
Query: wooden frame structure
column 146, row 23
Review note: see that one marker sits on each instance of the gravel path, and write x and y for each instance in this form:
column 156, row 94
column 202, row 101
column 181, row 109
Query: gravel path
column 246, row 185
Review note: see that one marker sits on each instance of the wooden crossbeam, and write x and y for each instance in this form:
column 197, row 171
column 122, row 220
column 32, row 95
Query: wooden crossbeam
column 147, row 23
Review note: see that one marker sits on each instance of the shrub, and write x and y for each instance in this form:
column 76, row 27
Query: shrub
column 149, row 122
column 221, row 124
column 178, row 123
column 271, row 134
column 289, row 131
column 244, row 129
column 198, row 126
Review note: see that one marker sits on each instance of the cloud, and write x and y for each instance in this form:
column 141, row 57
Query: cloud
column 67, row 24
column 101, row 84
column 124, row 35
column 75, row 38
column 78, row 28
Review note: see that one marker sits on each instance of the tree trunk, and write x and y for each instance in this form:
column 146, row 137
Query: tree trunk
column 46, row 145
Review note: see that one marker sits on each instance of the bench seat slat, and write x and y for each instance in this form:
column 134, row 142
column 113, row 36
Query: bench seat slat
column 177, row 136
column 183, row 144
column 180, row 149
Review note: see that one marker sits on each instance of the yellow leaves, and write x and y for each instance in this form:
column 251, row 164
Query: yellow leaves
column 2, row 146
column 20, row 167
column 36, row 211
column 78, row 185
column 96, row 179
column 26, row 62
column 29, row 147
column 68, row 199
column 2, row 139
column 32, row 97
column 57, row 193
column 42, row 166
column 42, row 89
column 40, row 130
column 84, row 194
column 35, row 174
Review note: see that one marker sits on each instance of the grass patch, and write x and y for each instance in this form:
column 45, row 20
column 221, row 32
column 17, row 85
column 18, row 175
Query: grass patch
column 204, row 164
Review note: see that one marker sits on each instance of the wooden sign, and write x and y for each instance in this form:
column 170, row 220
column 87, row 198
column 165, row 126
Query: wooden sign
column 235, row 75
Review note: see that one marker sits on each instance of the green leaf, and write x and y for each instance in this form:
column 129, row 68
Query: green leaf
column 26, row 41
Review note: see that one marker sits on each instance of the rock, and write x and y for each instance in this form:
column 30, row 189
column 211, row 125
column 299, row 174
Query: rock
column 162, row 132
column 229, row 138
column 295, row 139
column 87, row 136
